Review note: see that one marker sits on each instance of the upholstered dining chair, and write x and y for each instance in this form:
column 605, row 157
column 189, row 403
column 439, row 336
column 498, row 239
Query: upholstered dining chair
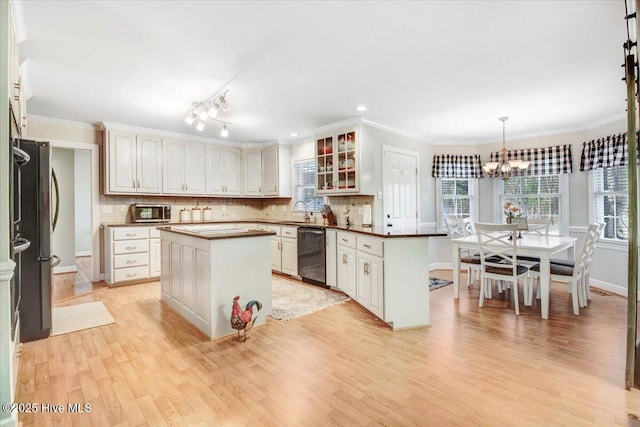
column 462, row 227
column 539, row 227
column 575, row 273
column 498, row 254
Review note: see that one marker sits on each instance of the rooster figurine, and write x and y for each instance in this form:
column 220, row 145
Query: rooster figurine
column 243, row 320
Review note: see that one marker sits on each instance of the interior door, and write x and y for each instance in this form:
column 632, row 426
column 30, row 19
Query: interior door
column 400, row 200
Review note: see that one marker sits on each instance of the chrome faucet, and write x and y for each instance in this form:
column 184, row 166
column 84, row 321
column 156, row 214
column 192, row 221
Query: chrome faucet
column 307, row 218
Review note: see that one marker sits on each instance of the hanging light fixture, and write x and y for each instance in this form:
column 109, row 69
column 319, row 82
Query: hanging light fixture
column 504, row 168
column 208, row 109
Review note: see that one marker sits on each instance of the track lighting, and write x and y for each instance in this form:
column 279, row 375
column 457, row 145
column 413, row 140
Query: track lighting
column 208, row 110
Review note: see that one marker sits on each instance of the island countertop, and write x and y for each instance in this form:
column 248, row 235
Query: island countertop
column 214, row 231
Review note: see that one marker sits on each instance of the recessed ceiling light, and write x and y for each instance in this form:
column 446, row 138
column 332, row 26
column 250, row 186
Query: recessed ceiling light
column 293, row 134
column 361, row 108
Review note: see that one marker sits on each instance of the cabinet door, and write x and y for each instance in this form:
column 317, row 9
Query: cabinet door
column 189, row 278
column 214, row 173
column 194, row 168
column 276, row 254
column 155, row 259
column 122, row 162
column 331, row 254
column 203, row 286
column 176, row 266
column 290, row 256
column 253, row 172
column 173, row 167
column 347, row 270
column 166, row 268
column 233, row 172
column 364, row 283
column 270, row 171
column 375, row 274
column 148, row 164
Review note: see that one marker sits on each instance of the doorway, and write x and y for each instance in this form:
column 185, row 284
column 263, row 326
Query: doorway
column 400, row 184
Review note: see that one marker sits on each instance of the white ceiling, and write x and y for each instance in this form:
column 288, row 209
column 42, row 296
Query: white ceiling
column 442, row 71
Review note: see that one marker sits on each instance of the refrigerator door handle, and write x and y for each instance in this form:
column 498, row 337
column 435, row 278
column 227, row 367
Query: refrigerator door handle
column 20, row 245
column 57, row 191
column 55, row 260
column 20, row 156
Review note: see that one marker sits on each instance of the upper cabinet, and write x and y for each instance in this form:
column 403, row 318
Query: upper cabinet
column 223, row 172
column 134, row 163
column 184, row 166
column 267, row 171
column 338, row 166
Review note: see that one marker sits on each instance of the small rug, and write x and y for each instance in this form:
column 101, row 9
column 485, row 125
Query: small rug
column 73, row 318
column 292, row 299
column 438, row 283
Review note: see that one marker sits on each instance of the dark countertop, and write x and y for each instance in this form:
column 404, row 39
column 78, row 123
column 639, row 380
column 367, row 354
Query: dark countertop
column 377, row 231
column 218, row 235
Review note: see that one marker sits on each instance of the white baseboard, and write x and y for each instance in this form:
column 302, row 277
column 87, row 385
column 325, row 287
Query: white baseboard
column 610, row 287
column 440, row 266
column 65, row 269
column 83, row 253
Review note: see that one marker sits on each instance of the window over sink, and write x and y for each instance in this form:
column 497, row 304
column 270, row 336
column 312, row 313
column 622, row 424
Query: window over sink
column 304, row 178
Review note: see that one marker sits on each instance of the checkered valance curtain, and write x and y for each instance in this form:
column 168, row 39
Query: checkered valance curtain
column 456, row 166
column 544, row 161
column 605, row 152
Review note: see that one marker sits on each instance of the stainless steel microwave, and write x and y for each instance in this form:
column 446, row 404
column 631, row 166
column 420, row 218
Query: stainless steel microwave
column 150, row 213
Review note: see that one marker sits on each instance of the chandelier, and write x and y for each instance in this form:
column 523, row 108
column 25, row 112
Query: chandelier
column 504, row 168
column 208, row 109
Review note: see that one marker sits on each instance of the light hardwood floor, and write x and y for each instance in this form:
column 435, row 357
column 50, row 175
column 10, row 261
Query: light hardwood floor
column 339, row 366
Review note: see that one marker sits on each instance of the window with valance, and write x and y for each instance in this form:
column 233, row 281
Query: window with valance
column 544, row 161
column 456, row 185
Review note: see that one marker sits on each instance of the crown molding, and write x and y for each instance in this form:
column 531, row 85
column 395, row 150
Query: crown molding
column 165, row 133
column 17, row 15
column 354, row 121
column 82, row 125
column 397, row 131
column 605, row 122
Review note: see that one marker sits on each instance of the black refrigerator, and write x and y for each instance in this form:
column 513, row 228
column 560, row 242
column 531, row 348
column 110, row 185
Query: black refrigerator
column 35, row 226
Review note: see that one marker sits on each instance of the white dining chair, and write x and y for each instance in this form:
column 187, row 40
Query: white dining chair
column 498, row 254
column 462, row 227
column 573, row 274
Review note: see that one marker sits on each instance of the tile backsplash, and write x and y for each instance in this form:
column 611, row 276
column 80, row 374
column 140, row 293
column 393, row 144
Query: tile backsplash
column 115, row 209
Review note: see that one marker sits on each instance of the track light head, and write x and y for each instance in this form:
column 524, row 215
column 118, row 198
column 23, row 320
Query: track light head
column 200, row 125
column 191, row 117
column 224, row 132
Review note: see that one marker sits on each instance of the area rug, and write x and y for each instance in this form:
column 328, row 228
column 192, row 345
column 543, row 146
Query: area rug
column 293, row 299
column 77, row 317
column 438, row 283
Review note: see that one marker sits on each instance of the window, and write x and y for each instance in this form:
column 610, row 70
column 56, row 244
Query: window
column 611, row 201
column 456, row 198
column 537, row 196
column 304, row 173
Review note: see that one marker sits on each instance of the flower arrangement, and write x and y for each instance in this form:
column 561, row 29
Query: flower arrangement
column 511, row 210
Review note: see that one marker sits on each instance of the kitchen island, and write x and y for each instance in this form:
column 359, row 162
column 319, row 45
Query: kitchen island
column 205, row 266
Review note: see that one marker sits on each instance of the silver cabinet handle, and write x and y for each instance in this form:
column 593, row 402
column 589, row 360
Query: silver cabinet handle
column 131, row 234
column 344, row 240
column 131, row 261
column 132, row 274
column 130, row 248
column 367, row 246
column 133, row 183
column 138, row 184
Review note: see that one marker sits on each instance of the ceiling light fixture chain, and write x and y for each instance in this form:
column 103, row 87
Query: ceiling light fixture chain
column 504, row 168
column 208, row 109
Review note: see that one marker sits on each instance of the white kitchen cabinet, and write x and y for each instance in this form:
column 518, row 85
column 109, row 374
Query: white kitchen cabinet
column 132, row 254
column 267, row 171
column 134, row 163
column 347, row 270
column 223, row 173
column 284, row 249
column 155, row 258
column 184, row 164
column 370, row 293
column 253, row 172
column 331, row 257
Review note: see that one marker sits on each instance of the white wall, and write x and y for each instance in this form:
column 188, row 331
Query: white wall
column 64, row 234
column 82, row 201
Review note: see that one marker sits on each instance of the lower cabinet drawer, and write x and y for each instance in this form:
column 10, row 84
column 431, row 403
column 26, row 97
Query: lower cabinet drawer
column 130, row 260
column 130, row 246
column 131, row 273
column 371, row 245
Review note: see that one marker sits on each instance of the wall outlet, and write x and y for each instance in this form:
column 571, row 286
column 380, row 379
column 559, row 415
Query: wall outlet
column 107, row 209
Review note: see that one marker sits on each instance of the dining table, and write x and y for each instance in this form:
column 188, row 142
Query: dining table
column 543, row 247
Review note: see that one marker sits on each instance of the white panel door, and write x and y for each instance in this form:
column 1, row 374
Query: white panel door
column 331, row 269
column 173, row 168
column 375, row 275
column 155, row 259
column 203, row 285
column 166, row 267
column 233, row 172
column 290, row 256
column 214, row 173
column 253, row 172
column 400, row 171
column 364, row 283
column 176, row 280
column 194, row 178
column 122, row 162
column 189, row 278
column 347, row 270
column 270, row 171
column 149, row 164
column 276, row 254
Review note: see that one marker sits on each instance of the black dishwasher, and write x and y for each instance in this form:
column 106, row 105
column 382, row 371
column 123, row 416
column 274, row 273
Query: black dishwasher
column 311, row 255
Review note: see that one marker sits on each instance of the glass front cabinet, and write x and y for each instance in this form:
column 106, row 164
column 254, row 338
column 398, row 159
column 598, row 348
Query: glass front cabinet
column 337, row 162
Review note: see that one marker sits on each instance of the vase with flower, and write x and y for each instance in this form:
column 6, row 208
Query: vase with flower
column 512, row 211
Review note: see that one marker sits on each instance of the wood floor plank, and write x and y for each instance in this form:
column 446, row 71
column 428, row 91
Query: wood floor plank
column 338, row 366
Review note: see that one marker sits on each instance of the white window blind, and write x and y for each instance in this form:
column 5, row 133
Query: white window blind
column 611, row 201
column 304, row 173
column 457, row 197
column 537, row 196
